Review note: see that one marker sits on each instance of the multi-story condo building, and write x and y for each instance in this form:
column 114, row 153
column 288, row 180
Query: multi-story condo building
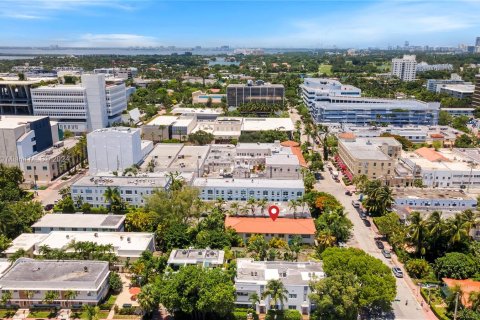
column 476, row 94
column 81, row 108
column 79, row 222
column 296, row 277
column 374, row 157
column 243, row 189
column 133, row 190
column 435, row 85
column 24, row 136
column 433, row 199
column 331, row 102
column 459, row 91
column 423, row 66
column 115, row 149
column 459, row 111
column 238, row 94
column 404, row 68
column 28, row 281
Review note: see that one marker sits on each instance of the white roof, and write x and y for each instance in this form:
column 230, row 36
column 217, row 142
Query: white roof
column 25, row 241
column 125, row 244
column 12, row 122
column 282, row 159
column 196, row 111
column 162, row 121
column 79, row 220
column 261, row 124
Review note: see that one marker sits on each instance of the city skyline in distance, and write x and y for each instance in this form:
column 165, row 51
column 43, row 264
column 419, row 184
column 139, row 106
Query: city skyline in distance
column 265, row 24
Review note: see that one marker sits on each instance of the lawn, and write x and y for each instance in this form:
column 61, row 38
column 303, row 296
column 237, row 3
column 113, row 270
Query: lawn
column 325, row 68
column 125, row 316
column 42, row 314
column 103, row 314
column 7, row 313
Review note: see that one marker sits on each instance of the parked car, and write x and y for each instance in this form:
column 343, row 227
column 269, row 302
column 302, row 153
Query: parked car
column 397, row 272
column 355, row 204
column 386, row 253
column 366, row 223
column 318, row 176
column 379, row 244
column 348, row 193
column 127, row 305
column 48, row 207
column 363, row 216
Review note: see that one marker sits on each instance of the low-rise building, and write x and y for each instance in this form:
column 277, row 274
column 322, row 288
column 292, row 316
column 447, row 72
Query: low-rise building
column 252, row 276
column 433, row 199
column 46, row 166
column 79, row 222
column 459, row 111
column 28, row 280
column 282, row 228
column 200, row 257
column 132, row 190
column 459, row 91
column 25, row 242
column 244, row 189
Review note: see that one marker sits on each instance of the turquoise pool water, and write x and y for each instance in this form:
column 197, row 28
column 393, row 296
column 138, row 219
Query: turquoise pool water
column 213, row 96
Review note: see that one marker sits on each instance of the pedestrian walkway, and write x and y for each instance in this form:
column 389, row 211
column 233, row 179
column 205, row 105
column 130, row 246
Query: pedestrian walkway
column 21, row 314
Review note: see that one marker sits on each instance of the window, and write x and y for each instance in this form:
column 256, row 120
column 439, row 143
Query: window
column 292, row 296
column 44, row 168
column 29, row 168
column 291, row 307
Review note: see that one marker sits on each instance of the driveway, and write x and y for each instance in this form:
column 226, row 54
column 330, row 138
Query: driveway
column 406, row 306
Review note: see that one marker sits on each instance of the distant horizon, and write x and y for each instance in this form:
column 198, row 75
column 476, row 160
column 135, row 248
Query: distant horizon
column 239, row 24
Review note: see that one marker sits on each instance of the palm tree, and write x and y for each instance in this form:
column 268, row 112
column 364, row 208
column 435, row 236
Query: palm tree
column 91, row 312
column 220, row 203
column 325, row 240
column 252, row 203
column 244, row 210
column 112, row 196
column 29, row 294
column 148, row 299
column 262, row 203
column 457, row 229
column 70, row 295
column 276, row 291
column 254, row 298
column 51, row 296
column 360, row 181
column 474, row 299
column 234, row 206
column 292, row 204
column 417, row 232
column 176, row 180
column 6, row 297
column 435, row 228
column 470, row 218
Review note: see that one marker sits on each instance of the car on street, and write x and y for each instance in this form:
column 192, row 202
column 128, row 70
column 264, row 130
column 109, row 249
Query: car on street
column 48, row 207
column 348, row 193
column 127, row 305
column 355, row 204
column 318, row 176
column 397, row 272
column 386, row 253
column 363, row 215
column 379, row 244
column 366, row 223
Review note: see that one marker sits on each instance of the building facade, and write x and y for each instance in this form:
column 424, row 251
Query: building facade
column 81, row 108
column 296, row 277
column 405, row 68
column 238, row 94
column 79, row 222
column 476, row 94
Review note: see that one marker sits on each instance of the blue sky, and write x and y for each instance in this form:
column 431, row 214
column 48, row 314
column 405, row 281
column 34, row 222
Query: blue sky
column 247, row 23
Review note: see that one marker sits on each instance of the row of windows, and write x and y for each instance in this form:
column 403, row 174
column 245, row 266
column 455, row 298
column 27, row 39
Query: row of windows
column 57, row 93
column 251, row 192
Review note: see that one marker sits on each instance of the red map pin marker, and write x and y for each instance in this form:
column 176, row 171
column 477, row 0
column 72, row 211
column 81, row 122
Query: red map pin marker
column 273, row 211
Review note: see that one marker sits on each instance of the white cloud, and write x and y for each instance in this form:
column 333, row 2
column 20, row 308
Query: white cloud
column 114, row 40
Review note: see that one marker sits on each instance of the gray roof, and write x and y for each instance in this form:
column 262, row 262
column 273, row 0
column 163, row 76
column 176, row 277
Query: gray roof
column 79, row 220
column 194, row 256
column 29, row 274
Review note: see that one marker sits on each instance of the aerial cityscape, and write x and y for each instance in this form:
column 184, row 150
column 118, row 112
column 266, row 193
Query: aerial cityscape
column 239, row 160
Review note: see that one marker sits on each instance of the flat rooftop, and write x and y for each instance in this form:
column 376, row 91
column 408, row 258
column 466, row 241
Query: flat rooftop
column 195, row 256
column 282, row 159
column 463, row 88
column 424, row 193
column 244, row 85
column 261, row 124
column 80, row 220
column 26, row 274
column 443, row 159
column 143, row 180
column 369, row 148
column 12, row 122
column 260, row 225
column 113, row 130
column 290, row 273
column 197, row 111
column 190, row 158
column 162, row 121
column 363, row 103
column 163, row 154
column 54, row 151
column 25, row 241
column 248, row 183
column 125, row 244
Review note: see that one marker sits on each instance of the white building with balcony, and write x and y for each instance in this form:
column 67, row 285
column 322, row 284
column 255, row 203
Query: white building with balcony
column 405, row 68
column 253, row 276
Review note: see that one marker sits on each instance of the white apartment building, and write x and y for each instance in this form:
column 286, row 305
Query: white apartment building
column 405, row 68
column 120, row 73
column 81, row 108
column 317, row 88
column 423, row 66
column 79, row 222
column 115, row 149
column 89, row 279
column 252, row 277
column 433, row 199
column 456, row 168
column 243, row 189
column 91, row 189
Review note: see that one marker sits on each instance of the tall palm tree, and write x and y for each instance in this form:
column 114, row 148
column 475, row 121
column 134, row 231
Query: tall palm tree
column 234, row 206
column 252, row 203
column 91, row 312
column 70, row 295
column 474, row 299
column 458, row 230
column 471, row 219
column 112, row 196
column 276, row 291
column 254, row 298
column 50, row 296
column 262, row 203
column 435, row 228
column 417, row 232
column 293, row 204
column 148, row 299
column 326, row 239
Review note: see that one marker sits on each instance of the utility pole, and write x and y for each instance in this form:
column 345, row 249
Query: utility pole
column 456, row 306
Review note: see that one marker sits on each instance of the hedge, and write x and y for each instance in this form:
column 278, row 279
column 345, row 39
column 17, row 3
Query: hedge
column 283, row 315
column 438, row 313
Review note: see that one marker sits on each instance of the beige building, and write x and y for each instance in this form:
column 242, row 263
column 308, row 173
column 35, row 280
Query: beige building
column 374, row 157
column 51, row 163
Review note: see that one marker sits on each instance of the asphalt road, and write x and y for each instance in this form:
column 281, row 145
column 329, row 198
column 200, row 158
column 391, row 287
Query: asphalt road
column 363, row 238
